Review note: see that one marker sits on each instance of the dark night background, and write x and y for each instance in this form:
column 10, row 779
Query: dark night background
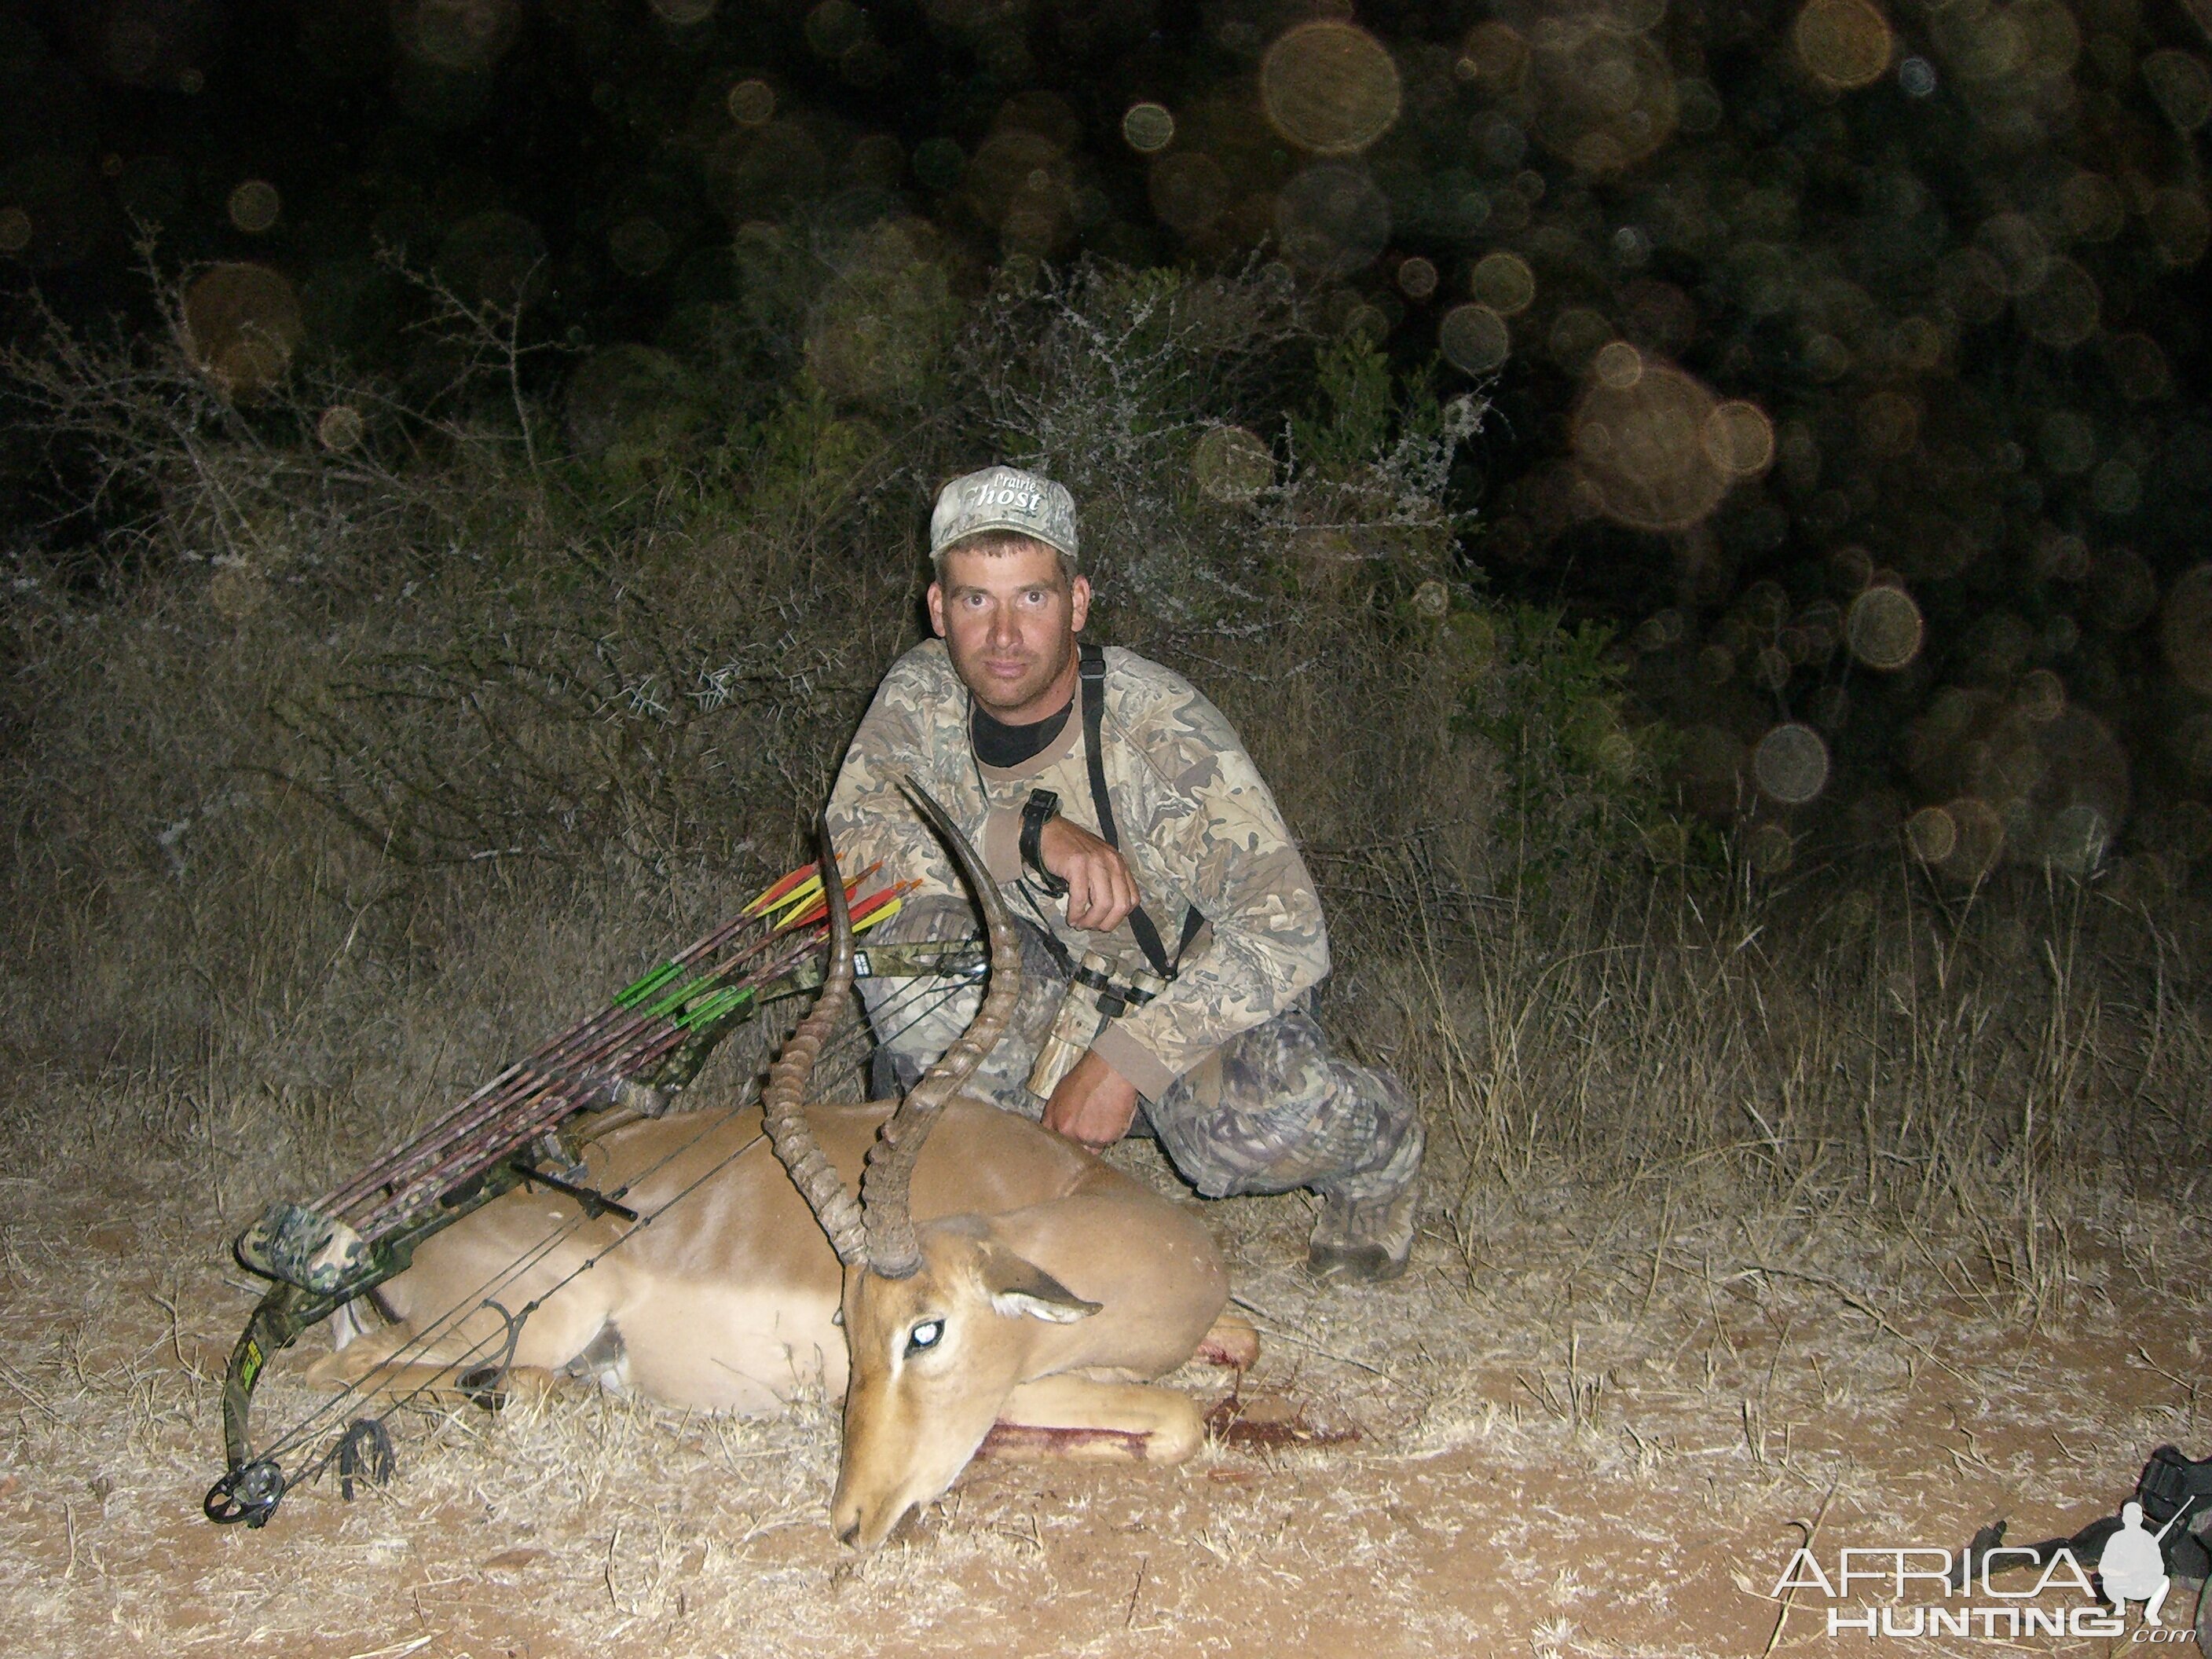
column 1951, row 254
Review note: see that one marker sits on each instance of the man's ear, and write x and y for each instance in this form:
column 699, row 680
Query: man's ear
column 1078, row 599
column 936, row 608
column 1021, row 1290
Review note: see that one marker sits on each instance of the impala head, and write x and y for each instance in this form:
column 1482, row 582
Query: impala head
column 934, row 1356
column 937, row 1318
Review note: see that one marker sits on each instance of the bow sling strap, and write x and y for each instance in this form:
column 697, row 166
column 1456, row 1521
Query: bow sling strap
column 1092, row 670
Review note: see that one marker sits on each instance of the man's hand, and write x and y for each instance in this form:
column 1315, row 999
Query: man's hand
column 1094, row 1105
column 1100, row 890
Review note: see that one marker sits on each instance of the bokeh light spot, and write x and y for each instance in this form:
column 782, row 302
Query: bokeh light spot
column 15, row 230
column 1889, row 424
column 1417, row 278
column 1844, row 43
column 2180, row 224
column 2182, row 85
column 1973, row 285
column 1740, row 438
column 1770, row 849
column 1332, row 219
column 462, row 35
column 2139, row 366
column 1148, row 128
column 1884, row 628
column 1330, row 87
column 2040, row 696
column 2062, row 309
column 1619, row 365
column 2078, row 838
column 340, row 428
column 254, row 206
column 835, row 27
column 752, row 103
column 2090, row 208
column 1791, row 763
column 2022, row 256
column 1931, row 834
column 2184, row 629
column 2114, row 489
column 1188, row 190
column 1232, row 465
column 685, row 13
column 1499, row 54
column 1578, row 334
column 242, row 324
column 1607, row 100
column 1474, row 339
column 1698, row 106
column 1643, row 448
column 1504, row 283
column 1980, row 839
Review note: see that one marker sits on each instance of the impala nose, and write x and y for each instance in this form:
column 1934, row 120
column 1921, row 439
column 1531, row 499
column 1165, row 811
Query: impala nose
column 850, row 1538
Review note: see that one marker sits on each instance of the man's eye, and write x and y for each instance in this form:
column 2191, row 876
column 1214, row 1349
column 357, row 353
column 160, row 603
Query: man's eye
column 924, row 1335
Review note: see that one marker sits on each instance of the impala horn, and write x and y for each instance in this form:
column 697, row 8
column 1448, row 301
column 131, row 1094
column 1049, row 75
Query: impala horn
column 783, row 1102
column 877, row 1231
column 894, row 1252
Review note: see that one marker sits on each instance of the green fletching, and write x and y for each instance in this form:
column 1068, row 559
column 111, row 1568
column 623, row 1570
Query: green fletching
column 712, row 1008
column 675, row 999
column 646, row 987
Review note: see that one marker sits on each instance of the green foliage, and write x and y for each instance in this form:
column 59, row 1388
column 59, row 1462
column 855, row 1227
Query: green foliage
column 1355, row 417
column 1579, row 778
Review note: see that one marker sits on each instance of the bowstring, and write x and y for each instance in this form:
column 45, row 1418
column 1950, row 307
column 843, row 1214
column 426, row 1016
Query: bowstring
column 914, row 1001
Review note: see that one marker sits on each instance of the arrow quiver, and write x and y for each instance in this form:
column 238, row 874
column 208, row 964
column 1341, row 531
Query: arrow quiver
column 529, row 1124
column 1094, row 997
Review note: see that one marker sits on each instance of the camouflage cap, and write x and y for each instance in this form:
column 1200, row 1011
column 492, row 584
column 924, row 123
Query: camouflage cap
column 1004, row 498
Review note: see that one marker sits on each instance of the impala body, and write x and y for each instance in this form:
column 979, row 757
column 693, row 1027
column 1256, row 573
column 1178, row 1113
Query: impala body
column 994, row 1274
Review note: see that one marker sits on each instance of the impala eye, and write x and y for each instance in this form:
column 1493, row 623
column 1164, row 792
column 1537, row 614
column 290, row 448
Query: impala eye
column 924, row 1335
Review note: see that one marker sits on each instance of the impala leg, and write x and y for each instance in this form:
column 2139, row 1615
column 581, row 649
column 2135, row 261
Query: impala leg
column 1073, row 1417
column 394, row 1361
column 435, row 1385
column 1233, row 1341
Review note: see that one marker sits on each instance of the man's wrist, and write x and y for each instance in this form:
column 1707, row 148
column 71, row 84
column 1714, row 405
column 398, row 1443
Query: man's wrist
column 1041, row 807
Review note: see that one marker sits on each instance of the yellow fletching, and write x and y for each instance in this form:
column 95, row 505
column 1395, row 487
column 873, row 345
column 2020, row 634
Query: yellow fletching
column 807, row 893
column 884, row 914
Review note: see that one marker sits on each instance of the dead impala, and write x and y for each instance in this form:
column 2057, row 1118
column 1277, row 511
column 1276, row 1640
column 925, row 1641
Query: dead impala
column 987, row 1274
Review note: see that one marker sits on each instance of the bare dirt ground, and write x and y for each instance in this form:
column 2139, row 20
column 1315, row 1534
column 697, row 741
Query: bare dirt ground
column 1585, row 1423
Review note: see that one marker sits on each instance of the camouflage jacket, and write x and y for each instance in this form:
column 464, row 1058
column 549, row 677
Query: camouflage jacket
column 1197, row 826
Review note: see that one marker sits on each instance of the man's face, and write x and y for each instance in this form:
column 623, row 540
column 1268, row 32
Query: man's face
column 1009, row 619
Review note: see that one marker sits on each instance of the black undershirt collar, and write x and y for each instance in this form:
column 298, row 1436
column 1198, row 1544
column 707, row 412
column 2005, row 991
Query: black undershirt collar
column 999, row 745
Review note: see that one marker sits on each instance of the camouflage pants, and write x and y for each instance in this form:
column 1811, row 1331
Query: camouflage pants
column 1271, row 1109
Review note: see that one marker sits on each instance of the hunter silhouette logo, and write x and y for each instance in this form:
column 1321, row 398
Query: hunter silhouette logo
column 2133, row 1566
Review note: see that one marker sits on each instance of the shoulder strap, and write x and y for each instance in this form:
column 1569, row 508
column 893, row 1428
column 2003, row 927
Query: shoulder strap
column 1091, row 670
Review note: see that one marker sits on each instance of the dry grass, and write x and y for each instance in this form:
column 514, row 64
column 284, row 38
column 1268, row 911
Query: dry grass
column 1640, row 1343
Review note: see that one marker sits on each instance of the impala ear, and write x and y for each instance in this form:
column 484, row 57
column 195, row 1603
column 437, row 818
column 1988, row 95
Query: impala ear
column 1021, row 1290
